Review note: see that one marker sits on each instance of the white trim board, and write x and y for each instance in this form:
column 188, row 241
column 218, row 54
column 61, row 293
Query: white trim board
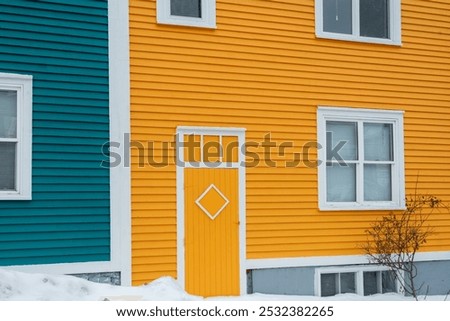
column 240, row 133
column 119, row 100
column 316, row 261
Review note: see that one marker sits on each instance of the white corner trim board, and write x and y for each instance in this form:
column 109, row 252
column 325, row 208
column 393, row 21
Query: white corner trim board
column 120, row 181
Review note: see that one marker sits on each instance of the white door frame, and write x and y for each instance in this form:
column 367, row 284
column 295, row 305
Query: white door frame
column 181, row 165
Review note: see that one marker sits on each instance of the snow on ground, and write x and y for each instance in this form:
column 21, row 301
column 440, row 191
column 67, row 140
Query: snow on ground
column 17, row 286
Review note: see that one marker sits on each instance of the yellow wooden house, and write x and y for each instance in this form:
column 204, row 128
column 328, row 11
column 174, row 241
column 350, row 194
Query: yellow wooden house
column 266, row 137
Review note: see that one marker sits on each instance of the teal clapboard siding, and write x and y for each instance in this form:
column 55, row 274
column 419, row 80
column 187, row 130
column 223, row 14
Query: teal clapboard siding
column 64, row 45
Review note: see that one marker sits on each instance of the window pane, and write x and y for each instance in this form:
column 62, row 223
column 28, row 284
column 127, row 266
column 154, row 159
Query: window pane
column 378, row 142
column 377, row 182
column 8, row 113
column 186, row 8
column 374, row 18
column 348, row 283
column 341, row 183
column 388, row 281
column 342, row 140
column 370, row 283
column 337, row 16
column 8, row 166
column 328, row 284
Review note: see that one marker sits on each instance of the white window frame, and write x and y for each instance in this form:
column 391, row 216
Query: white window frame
column 22, row 84
column 394, row 25
column 208, row 19
column 359, row 277
column 359, row 115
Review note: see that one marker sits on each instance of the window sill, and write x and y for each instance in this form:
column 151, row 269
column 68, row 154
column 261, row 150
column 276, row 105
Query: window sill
column 362, row 207
column 12, row 196
column 343, row 37
column 187, row 22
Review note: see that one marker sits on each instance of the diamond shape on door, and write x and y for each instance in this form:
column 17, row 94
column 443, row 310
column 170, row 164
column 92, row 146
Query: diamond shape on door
column 212, row 201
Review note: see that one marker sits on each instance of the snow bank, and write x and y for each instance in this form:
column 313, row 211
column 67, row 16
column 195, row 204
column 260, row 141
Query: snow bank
column 15, row 286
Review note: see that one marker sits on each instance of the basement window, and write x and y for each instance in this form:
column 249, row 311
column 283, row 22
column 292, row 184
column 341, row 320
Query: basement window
column 361, row 280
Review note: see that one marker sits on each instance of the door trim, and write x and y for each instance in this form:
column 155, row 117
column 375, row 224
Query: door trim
column 180, row 166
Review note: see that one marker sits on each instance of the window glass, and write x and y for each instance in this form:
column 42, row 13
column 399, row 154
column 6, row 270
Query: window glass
column 370, row 283
column 186, row 8
column 388, row 282
column 374, row 18
column 348, row 283
column 8, row 166
column 378, row 142
column 341, row 183
column 337, row 16
column 342, row 138
column 329, row 284
column 377, row 182
column 8, row 114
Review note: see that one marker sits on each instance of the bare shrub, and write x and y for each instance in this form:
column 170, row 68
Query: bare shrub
column 394, row 240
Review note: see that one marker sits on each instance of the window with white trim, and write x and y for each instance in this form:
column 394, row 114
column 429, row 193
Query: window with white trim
column 194, row 13
column 361, row 280
column 360, row 159
column 376, row 21
column 15, row 136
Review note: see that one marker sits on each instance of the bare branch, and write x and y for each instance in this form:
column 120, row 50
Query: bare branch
column 394, row 239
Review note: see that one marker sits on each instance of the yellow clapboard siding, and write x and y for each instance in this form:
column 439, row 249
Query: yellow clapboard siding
column 327, row 99
column 144, row 237
column 304, row 253
column 267, row 66
column 152, row 252
column 158, row 259
column 152, row 209
column 379, row 82
column 316, row 244
column 310, row 244
column 271, row 69
column 291, row 52
column 154, row 245
column 211, row 92
column 263, row 69
column 146, row 277
column 160, row 266
column 294, row 242
column 261, row 235
column 192, row 83
column 154, row 221
column 150, row 229
column 158, row 198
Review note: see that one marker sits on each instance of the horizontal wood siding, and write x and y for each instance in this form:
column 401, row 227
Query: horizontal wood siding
column 64, row 46
column 263, row 69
